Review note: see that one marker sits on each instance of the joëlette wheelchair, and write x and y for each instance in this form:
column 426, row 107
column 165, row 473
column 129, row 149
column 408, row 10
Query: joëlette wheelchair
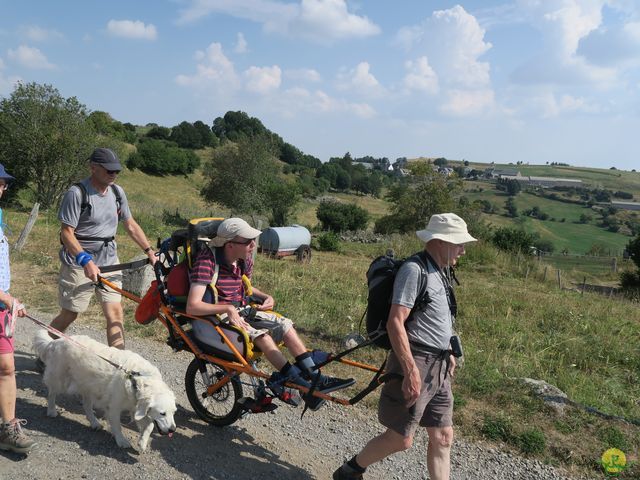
column 219, row 375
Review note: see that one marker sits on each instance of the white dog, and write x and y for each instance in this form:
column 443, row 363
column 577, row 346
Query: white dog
column 136, row 387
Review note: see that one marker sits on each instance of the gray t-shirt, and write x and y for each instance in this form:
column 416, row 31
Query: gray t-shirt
column 101, row 222
column 432, row 326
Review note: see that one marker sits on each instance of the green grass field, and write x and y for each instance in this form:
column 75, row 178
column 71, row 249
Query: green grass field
column 513, row 324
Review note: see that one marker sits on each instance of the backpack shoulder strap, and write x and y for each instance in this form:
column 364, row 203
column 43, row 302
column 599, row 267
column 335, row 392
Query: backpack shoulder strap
column 116, row 192
column 84, row 201
column 423, row 295
column 214, row 280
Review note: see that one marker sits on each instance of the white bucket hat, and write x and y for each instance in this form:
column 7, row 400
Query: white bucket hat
column 231, row 228
column 448, row 227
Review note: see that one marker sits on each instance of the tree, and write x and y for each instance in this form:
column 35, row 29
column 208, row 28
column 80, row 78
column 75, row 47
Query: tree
column 338, row 217
column 243, row 177
column 511, row 208
column 514, row 240
column 441, row 162
column 282, row 198
column 185, row 135
column 633, row 247
column 207, row 138
column 419, row 196
column 46, row 139
column 159, row 133
column 160, row 157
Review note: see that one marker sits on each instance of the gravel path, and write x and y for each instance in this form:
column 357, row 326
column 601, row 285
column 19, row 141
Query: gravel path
column 266, row 446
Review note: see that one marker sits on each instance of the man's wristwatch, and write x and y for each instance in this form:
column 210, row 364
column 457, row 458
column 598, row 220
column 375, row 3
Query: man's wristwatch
column 148, row 249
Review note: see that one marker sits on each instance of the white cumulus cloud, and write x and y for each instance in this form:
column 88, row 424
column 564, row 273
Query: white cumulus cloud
column 7, row 84
column 134, row 29
column 303, row 74
column 322, row 21
column 299, row 99
column 360, row 80
column 463, row 103
column 263, row 80
column 564, row 25
column 213, row 69
column 453, row 41
column 420, row 76
column 30, row 57
column 35, row 33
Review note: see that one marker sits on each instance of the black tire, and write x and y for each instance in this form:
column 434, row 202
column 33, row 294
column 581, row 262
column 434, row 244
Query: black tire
column 221, row 408
column 303, row 254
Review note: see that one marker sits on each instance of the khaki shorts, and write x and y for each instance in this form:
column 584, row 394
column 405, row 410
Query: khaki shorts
column 75, row 290
column 434, row 407
column 269, row 322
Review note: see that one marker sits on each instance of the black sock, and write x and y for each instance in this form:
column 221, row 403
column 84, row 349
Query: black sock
column 353, row 464
column 285, row 370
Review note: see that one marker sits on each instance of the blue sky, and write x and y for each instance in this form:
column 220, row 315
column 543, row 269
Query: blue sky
column 527, row 80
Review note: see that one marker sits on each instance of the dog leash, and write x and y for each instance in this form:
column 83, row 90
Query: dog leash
column 58, row 333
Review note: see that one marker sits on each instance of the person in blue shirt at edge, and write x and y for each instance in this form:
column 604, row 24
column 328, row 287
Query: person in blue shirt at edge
column 420, row 355
column 232, row 249
column 12, row 436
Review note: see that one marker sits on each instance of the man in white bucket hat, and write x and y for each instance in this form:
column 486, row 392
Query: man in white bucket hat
column 423, row 353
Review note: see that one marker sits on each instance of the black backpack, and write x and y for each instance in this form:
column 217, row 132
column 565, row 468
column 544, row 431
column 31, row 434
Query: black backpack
column 380, row 278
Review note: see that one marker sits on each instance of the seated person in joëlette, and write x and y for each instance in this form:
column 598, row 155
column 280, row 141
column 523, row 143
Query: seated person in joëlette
column 231, row 249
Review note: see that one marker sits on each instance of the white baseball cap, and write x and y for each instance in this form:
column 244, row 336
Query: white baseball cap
column 231, row 228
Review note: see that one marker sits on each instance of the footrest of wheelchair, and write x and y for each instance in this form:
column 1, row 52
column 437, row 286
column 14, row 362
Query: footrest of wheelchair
column 254, row 406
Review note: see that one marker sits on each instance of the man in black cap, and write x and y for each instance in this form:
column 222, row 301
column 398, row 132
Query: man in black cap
column 90, row 212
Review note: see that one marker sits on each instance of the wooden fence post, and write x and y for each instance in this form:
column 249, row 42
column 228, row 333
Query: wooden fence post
column 614, row 265
column 33, row 216
column 544, row 275
column 584, row 284
column 559, row 282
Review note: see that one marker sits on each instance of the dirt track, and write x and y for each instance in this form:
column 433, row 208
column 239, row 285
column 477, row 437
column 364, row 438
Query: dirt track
column 267, row 446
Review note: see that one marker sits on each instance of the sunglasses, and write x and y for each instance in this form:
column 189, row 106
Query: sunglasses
column 246, row 242
column 4, row 186
column 111, row 172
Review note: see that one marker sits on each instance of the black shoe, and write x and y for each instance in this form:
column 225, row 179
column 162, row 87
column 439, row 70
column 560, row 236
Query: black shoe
column 40, row 366
column 345, row 472
column 324, row 384
column 290, row 396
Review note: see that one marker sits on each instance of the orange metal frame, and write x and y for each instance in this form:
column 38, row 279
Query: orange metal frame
column 239, row 366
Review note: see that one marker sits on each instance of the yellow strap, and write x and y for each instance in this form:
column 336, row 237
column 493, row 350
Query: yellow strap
column 248, row 290
column 213, row 283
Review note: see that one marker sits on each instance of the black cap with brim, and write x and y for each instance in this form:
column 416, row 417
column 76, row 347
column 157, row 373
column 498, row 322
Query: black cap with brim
column 4, row 175
column 106, row 158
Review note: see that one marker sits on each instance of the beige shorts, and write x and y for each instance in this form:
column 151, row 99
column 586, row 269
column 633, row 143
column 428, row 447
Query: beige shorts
column 269, row 322
column 75, row 290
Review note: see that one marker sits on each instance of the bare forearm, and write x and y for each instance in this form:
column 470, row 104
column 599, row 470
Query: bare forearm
column 69, row 240
column 136, row 233
column 399, row 339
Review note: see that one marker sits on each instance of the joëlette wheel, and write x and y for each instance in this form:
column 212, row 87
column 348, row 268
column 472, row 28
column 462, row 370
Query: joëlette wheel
column 222, row 407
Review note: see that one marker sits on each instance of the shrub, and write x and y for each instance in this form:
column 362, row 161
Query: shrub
column 328, row 242
column 338, row 217
column 612, row 437
column 513, row 240
column 545, row 246
column 531, row 441
column 387, row 225
column 497, row 428
column 159, row 157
